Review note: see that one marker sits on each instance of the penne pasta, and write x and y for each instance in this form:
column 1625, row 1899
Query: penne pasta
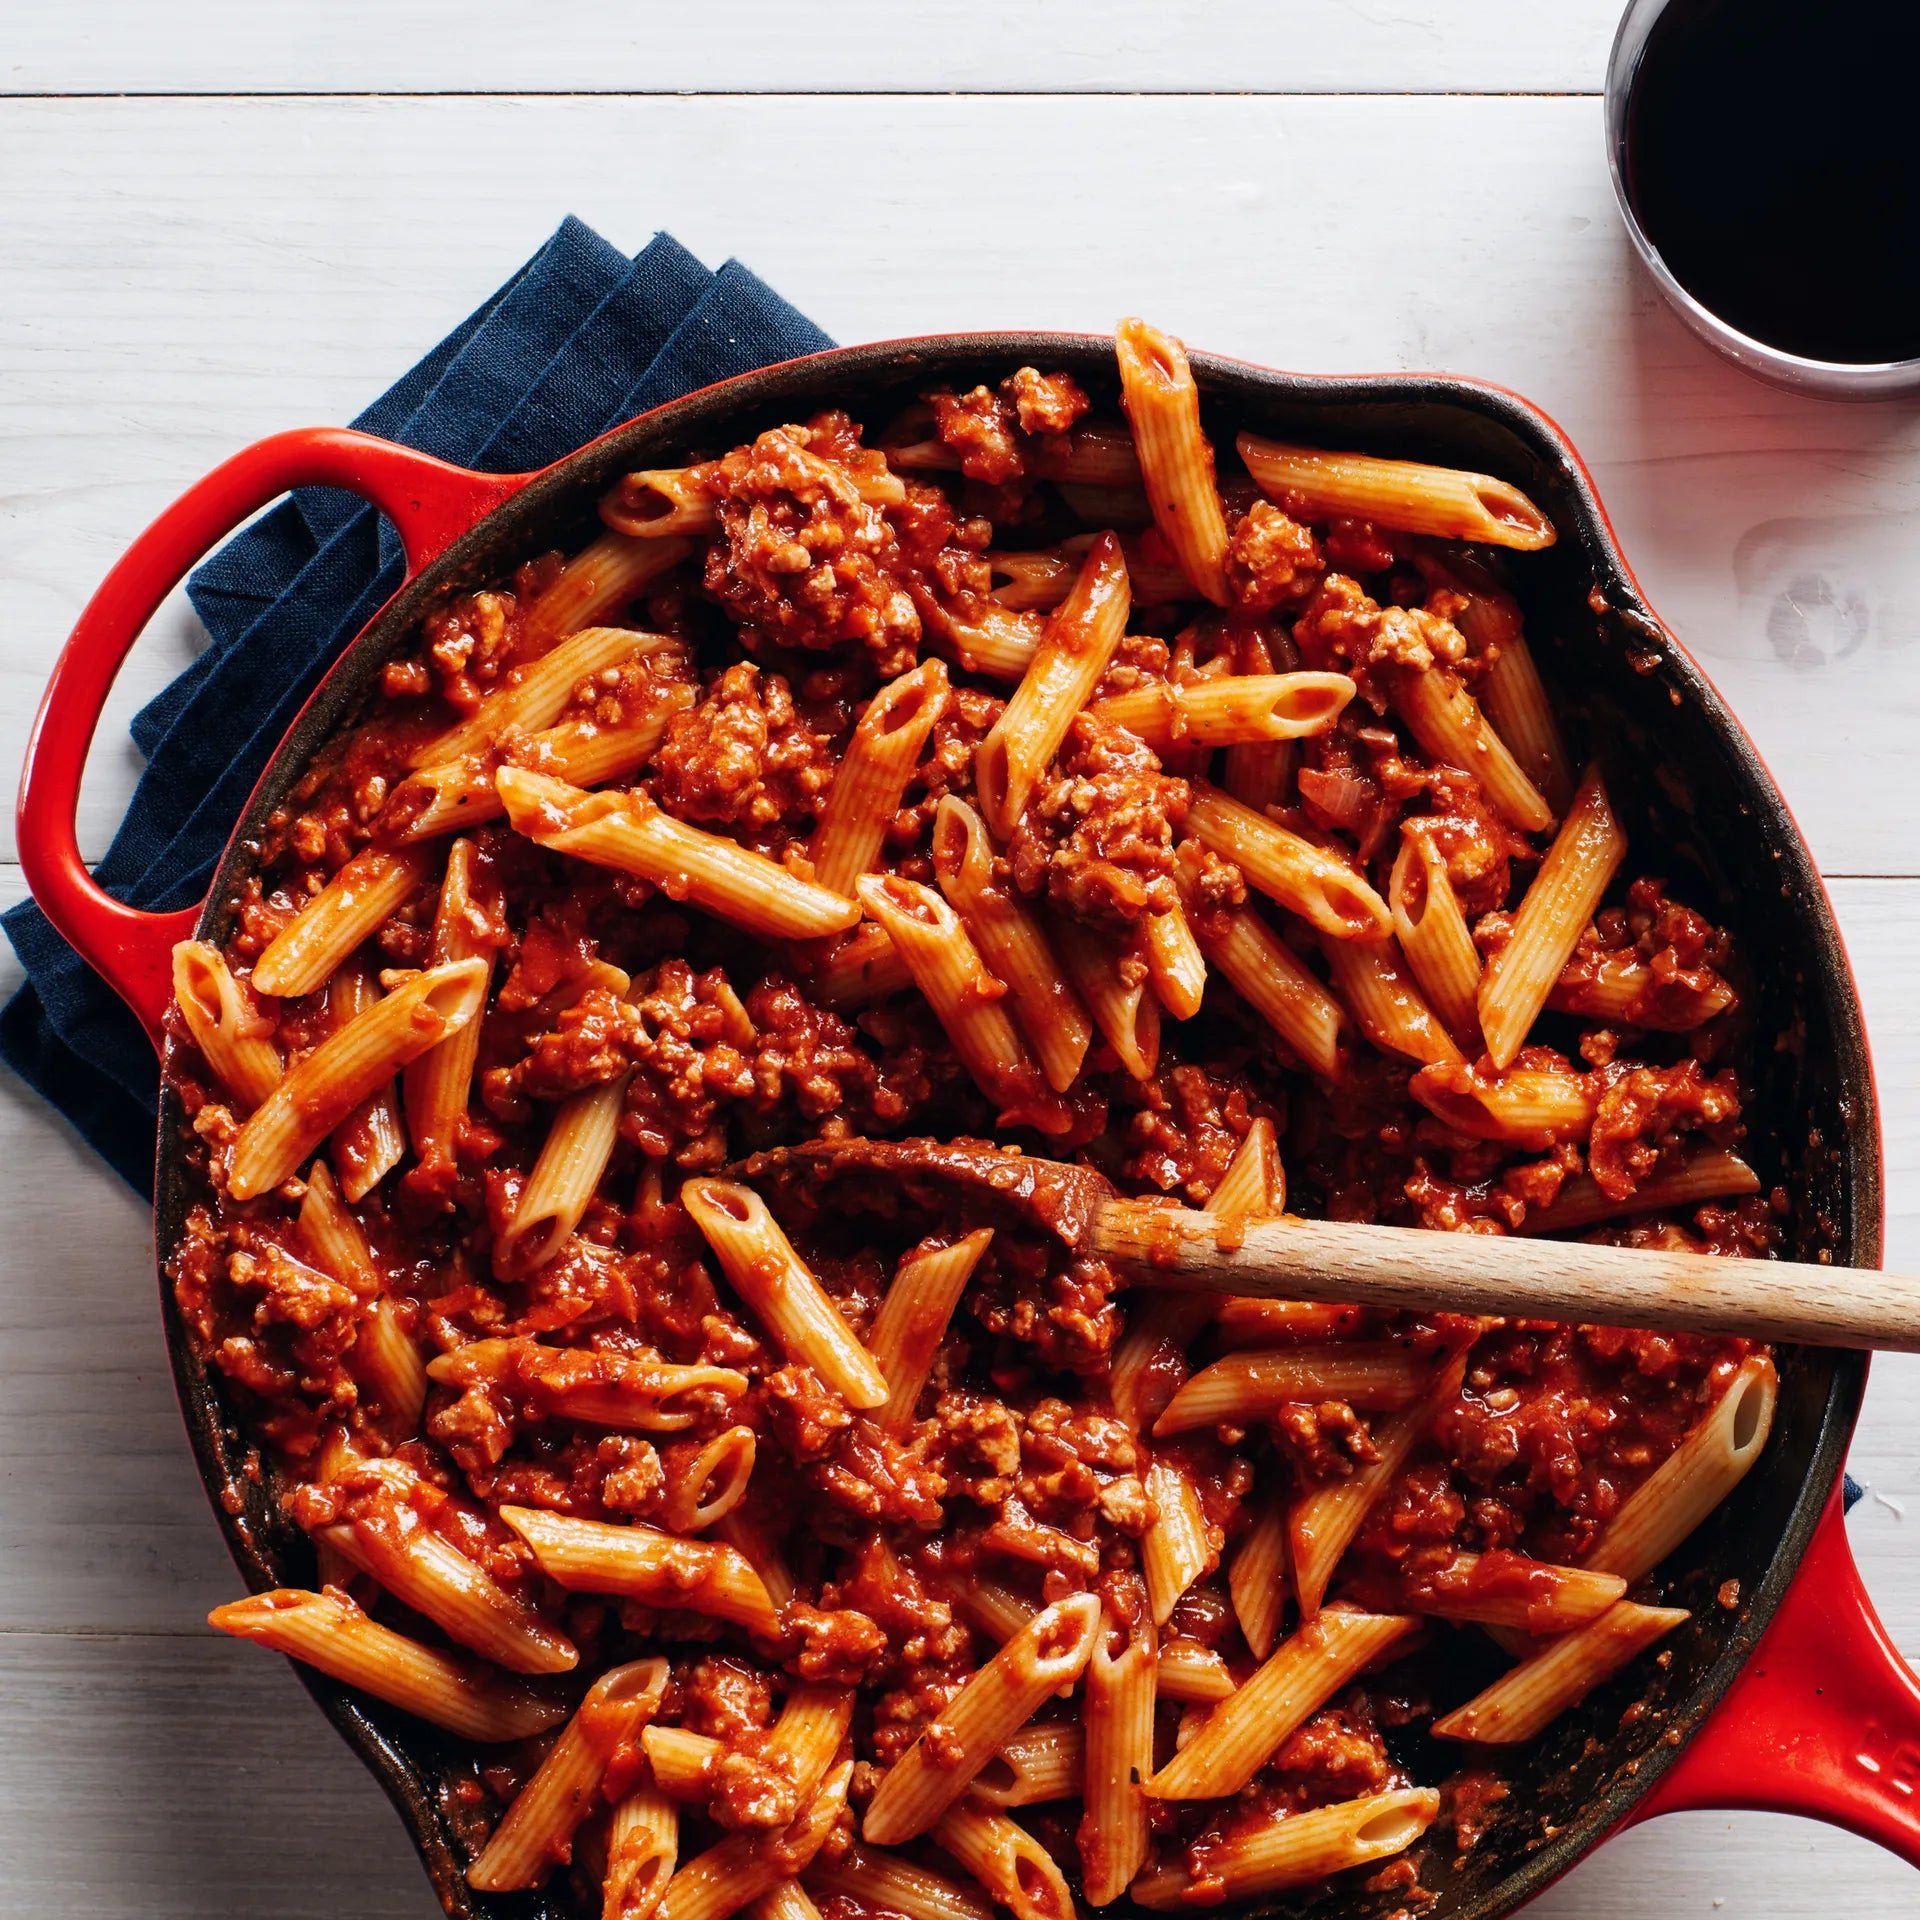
column 775, row 1284
column 741, row 1867
column 1246, row 1322
column 1011, row 941
column 707, row 1479
column 1079, row 642
column 1016, row 1870
column 1510, row 1591
column 1190, row 1672
column 1117, row 1757
column 1040, row 1762
column 1320, row 887
column 436, row 1086
column 863, row 967
column 701, row 1576
column 643, row 1847
column 629, row 833
column 1150, row 1358
column 1240, row 1734
column 1531, row 1107
column 1113, row 987
column 1049, row 1653
column 1447, row 722
column 1259, row 773
column 1708, row 1173
column 1231, row 710
column 947, row 968
column 1301, row 1848
column 755, row 1544
column 1176, row 463
column 598, row 581
column 661, row 502
column 872, row 777
column 1177, row 1548
column 1435, row 939
column 1376, row 984
column 327, row 1631
column 996, row 1611
column 321, row 1088
column 630, row 1391
column 230, row 1033
column 1406, row 495
column 1566, row 890
column 1254, row 1186
column 1175, row 965
column 1522, row 1701
column 369, row 1143
column 1257, row 1580
column 912, row 1321
column 566, row 1176
column 1272, row 980
column 871, row 1879
column 536, row 1832
column 1324, row 1522
column 367, row 892
column 682, row 1762
column 1245, row 1387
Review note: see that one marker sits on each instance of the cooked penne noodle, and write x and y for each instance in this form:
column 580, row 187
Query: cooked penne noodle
column 1244, row 1387
column 993, row 641
column 333, row 1238
column 1527, row 1106
column 1254, row 1186
column 727, row 1877
column 369, row 1143
column 778, row 1288
column 457, row 794
column 1259, row 773
column 707, row 1479
column 1245, row 1322
column 1176, row 967
column 1011, row 942
column 872, row 1879
column 997, row 1611
column 368, row 891
column 1189, row 1671
column 319, row 1090
column 1544, row 1685
column 427, row 1572
column 1079, row 642
column 1324, row 1523
column 1093, row 453
column 1150, row 1358
column 1447, row 722
column 873, row 775
column 785, row 1900
column 577, row 1383
column 1113, row 989
column 1691, row 1482
column 701, row 1576
column 1016, row 1870
column 965, row 998
column 599, row 580
column 1321, row 888
column 1257, row 1580
column 1508, row 1590
column 327, row 1631
column 864, row 967
column 230, row 1034
column 630, row 834
column 682, row 1762
column 1040, row 1762
column 1435, row 938
column 536, row 1832
column 1708, row 1173
column 1301, row 1848
column 1272, row 980
column 754, row 1543
column 1375, row 982
column 388, row 1367
column 1177, row 1548
column 1118, row 1756
column 1048, row 1654
column 1582, row 860
column 1246, row 1729
column 1030, row 582
column 573, row 1159
column 1622, row 988
column 1231, row 710
column 912, row 1321
column 660, row 502
column 643, row 1847
column 436, row 1087
column 1176, row 463
column 1406, row 495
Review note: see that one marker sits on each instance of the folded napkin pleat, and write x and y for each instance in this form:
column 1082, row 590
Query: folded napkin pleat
column 579, row 339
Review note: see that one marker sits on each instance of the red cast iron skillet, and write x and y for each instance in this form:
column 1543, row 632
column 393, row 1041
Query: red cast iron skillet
column 1789, row 1698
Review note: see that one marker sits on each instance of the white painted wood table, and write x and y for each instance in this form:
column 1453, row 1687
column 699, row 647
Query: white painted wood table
column 216, row 222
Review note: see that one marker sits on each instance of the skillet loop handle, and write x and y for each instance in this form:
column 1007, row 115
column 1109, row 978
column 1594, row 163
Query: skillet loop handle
column 1824, row 1719
column 429, row 502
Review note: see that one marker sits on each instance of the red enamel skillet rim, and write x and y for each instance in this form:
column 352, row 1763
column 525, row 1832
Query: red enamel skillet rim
column 1816, row 1713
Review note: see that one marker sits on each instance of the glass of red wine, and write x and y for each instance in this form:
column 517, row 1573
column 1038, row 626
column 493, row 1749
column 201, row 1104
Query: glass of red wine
column 1766, row 155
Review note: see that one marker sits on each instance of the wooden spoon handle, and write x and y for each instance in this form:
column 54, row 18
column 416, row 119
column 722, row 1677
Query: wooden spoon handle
column 1474, row 1273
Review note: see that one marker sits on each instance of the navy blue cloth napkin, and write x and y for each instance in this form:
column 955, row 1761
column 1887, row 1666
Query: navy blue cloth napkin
column 581, row 338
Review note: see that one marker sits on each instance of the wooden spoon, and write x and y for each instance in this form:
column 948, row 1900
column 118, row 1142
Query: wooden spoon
column 1395, row 1267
